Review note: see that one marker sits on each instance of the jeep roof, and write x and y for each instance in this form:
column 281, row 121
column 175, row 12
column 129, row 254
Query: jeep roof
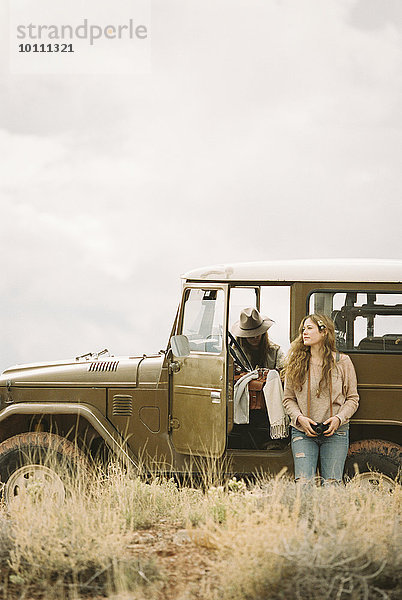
column 359, row 269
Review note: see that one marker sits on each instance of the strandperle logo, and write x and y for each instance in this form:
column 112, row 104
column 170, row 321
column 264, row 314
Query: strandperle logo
column 84, row 31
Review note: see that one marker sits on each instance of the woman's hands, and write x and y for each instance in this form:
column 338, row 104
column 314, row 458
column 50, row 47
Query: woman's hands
column 305, row 423
column 334, row 423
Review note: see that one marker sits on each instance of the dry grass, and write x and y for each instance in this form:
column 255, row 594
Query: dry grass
column 271, row 541
column 312, row 543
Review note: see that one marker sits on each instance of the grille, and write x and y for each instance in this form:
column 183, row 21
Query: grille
column 122, row 406
column 104, row 365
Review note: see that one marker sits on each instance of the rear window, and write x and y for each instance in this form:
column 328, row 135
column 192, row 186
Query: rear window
column 364, row 321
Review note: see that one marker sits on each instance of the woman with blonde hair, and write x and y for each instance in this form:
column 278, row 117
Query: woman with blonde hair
column 320, row 397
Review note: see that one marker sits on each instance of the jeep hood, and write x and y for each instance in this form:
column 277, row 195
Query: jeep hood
column 128, row 371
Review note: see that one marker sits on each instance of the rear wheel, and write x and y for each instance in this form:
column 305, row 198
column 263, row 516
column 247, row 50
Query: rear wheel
column 375, row 463
column 40, row 465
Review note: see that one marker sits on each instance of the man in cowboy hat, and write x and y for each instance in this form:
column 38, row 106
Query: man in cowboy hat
column 251, row 332
column 254, row 431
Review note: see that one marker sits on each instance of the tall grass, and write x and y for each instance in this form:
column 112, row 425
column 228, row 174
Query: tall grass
column 272, row 540
column 313, row 543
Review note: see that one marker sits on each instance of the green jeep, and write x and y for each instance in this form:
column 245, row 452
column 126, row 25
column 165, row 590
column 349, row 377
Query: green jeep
column 174, row 410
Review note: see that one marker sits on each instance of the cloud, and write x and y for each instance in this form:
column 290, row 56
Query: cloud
column 266, row 130
column 371, row 15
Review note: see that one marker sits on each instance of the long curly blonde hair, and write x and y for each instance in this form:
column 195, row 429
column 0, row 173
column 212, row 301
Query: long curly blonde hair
column 298, row 359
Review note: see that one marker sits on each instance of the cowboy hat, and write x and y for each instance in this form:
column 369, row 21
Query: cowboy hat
column 251, row 324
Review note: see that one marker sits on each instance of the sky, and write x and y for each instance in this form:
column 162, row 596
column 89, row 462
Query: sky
column 258, row 130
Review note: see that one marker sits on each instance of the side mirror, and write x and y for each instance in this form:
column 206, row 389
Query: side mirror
column 180, row 346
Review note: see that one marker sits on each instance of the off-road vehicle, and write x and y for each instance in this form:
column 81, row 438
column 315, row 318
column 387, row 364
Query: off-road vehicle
column 174, row 409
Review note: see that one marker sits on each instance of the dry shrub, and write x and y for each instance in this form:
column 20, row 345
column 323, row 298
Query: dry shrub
column 310, row 542
column 141, row 505
column 81, row 544
column 272, row 541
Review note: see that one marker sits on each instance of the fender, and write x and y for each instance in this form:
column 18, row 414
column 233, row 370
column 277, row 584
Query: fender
column 90, row 413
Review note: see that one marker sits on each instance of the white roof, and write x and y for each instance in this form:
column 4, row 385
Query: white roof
column 326, row 269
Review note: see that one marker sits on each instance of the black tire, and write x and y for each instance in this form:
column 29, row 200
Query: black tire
column 43, row 462
column 374, row 461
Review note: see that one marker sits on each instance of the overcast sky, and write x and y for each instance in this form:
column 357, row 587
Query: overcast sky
column 264, row 129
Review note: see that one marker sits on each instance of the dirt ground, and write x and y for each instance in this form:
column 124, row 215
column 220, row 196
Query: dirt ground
column 183, row 560
column 171, row 561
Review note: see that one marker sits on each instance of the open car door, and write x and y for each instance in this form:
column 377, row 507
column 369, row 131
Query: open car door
column 198, row 380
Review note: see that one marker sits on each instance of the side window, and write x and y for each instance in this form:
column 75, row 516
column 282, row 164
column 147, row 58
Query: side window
column 364, row 321
column 203, row 320
column 274, row 303
column 241, row 297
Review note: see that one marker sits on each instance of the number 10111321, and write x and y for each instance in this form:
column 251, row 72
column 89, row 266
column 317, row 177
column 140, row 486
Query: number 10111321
column 45, row 48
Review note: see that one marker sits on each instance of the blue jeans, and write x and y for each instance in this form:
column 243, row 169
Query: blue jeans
column 331, row 451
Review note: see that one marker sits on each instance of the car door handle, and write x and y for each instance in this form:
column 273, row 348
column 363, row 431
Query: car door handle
column 216, row 397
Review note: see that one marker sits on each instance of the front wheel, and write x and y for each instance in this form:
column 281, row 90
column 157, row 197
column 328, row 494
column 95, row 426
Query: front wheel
column 38, row 464
column 375, row 463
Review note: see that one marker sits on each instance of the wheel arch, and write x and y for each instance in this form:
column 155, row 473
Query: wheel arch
column 80, row 422
column 390, row 432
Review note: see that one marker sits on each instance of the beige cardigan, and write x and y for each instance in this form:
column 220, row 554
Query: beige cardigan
column 345, row 399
